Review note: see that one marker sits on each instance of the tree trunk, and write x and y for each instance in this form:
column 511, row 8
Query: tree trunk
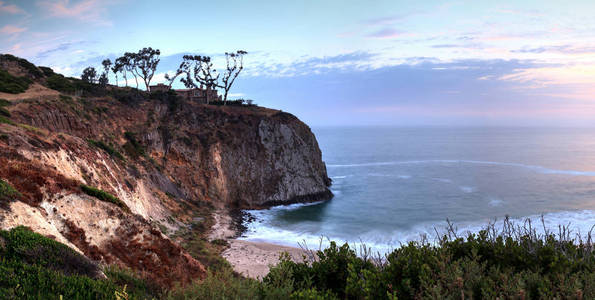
column 208, row 90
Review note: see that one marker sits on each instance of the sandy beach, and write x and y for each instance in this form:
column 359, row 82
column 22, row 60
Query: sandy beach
column 251, row 259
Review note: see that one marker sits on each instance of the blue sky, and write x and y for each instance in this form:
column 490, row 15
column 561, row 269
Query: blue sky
column 407, row 63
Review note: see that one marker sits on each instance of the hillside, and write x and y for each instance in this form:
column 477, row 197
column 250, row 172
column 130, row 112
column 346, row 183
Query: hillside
column 128, row 178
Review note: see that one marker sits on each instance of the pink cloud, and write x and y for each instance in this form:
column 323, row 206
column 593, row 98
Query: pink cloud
column 86, row 10
column 10, row 8
column 9, row 29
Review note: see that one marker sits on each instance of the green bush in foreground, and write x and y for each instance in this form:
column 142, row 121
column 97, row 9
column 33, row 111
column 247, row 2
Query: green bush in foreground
column 515, row 263
column 35, row 267
column 104, row 196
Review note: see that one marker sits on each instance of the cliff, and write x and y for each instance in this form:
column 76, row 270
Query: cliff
column 167, row 163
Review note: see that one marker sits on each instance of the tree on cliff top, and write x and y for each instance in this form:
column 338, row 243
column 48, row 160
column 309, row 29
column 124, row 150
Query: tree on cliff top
column 234, row 65
column 199, row 71
column 122, row 64
column 145, row 64
column 89, row 75
column 183, row 68
column 106, row 63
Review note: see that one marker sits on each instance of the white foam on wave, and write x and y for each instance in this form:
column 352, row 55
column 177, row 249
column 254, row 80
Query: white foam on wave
column 579, row 222
column 404, row 176
column 538, row 169
column 339, row 177
column 495, row 202
column 443, row 180
column 467, row 189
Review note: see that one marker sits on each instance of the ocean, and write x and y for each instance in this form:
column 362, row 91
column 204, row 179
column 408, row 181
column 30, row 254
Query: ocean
column 393, row 185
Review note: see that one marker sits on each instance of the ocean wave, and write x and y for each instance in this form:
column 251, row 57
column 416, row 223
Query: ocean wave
column 467, row 189
column 579, row 222
column 539, row 169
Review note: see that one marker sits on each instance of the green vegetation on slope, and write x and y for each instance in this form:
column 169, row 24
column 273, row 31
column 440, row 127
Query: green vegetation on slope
column 35, row 267
column 107, row 148
column 7, row 193
column 23, row 63
column 12, row 84
column 60, row 83
column 3, row 111
column 104, row 196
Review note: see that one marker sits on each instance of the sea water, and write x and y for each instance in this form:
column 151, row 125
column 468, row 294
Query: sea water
column 394, row 185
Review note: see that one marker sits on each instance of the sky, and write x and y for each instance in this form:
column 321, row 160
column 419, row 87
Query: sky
column 345, row 63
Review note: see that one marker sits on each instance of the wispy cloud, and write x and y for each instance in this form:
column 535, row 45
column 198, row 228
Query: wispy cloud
column 564, row 49
column 385, row 33
column 12, row 30
column 87, row 10
column 10, row 8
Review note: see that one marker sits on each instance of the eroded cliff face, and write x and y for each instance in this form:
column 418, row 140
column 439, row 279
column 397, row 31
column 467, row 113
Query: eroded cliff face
column 168, row 161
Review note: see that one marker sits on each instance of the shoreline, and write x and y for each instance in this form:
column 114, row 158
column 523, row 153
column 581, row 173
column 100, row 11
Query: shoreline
column 248, row 258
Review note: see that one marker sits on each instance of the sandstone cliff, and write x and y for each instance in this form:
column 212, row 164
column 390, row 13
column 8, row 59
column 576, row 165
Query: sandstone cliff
column 168, row 161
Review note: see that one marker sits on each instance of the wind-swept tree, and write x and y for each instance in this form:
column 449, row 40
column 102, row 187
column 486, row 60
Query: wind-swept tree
column 129, row 62
column 199, row 71
column 117, row 68
column 121, row 64
column 107, row 63
column 183, row 68
column 234, row 65
column 145, row 64
column 89, row 75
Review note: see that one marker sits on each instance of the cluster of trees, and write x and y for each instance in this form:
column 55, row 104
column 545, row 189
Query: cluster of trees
column 140, row 64
column 194, row 71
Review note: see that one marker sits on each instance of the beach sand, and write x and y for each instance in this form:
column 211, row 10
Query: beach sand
column 251, row 259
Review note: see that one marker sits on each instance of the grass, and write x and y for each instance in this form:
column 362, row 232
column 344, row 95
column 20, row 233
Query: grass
column 107, row 148
column 12, row 84
column 31, row 128
column 104, row 196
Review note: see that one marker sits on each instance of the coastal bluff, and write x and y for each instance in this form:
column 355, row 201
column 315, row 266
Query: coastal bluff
column 115, row 173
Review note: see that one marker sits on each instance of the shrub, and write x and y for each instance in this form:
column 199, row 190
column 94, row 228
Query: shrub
column 4, row 120
column 35, row 267
column 220, row 285
column 239, row 102
column 133, row 148
column 517, row 263
column 7, row 193
column 60, row 83
column 3, row 111
column 104, row 196
column 12, row 84
column 128, row 96
column 47, row 71
column 107, row 148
